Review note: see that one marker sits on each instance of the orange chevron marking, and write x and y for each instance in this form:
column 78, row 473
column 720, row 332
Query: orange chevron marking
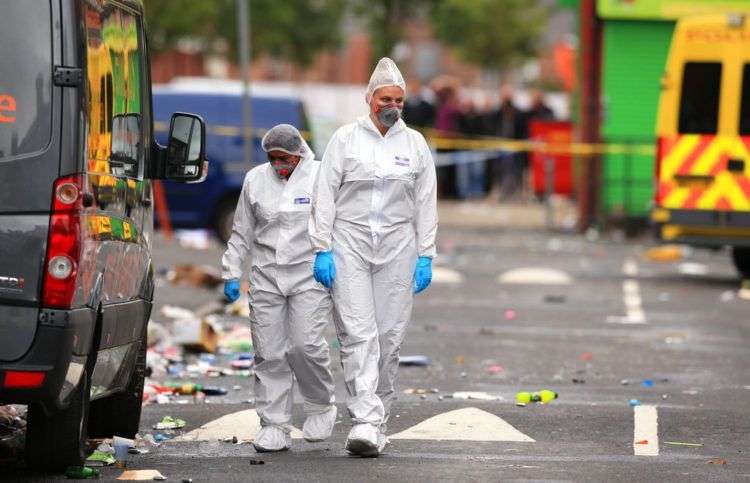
column 693, row 197
column 703, row 143
column 723, row 204
column 720, row 165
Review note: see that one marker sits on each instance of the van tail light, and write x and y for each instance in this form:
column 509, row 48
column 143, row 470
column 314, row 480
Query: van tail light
column 63, row 243
column 23, row 379
column 657, row 170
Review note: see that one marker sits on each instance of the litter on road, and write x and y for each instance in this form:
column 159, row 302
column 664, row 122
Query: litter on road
column 679, row 443
column 141, row 475
column 168, row 422
column 419, row 361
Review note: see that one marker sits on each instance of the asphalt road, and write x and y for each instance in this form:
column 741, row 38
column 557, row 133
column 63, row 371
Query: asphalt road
column 611, row 320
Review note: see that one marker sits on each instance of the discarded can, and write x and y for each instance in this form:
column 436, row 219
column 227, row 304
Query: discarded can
column 414, row 361
column 634, row 402
column 544, row 396
column 81, row 472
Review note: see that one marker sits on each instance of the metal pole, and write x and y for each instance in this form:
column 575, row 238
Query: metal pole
column 243, row 29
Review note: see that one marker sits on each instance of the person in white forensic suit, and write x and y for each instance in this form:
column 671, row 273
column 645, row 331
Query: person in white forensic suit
column 289, row 310
column 373, row 229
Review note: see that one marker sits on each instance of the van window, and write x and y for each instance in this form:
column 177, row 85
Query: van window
column 25, row 77
column 113, row 53
column 745, row 102
column 699, row 106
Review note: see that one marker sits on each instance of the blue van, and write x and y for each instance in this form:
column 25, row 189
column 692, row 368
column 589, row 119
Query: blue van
column 219, row 193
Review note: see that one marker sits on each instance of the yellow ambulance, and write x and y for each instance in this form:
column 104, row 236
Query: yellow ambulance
column 702, row 194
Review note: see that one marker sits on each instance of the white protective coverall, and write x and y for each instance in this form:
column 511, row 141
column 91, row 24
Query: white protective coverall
column 288, row 308
column 374, row 206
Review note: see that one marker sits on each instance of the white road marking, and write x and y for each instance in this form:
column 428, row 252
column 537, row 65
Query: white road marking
column 631, row 296
column 630, row 268
column 467, row 424
column 243, row 424
column 536, row 276
column 645, row 431
column 446, row 275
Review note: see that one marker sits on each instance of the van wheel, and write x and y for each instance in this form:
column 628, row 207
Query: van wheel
column 58, row 440
column 741, row 258
column 225, row 218
column 120, row 413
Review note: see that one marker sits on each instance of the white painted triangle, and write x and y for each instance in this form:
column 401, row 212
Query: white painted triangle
column 446, row 275
column 243, row 424
column 467, row 424
column 535, row 275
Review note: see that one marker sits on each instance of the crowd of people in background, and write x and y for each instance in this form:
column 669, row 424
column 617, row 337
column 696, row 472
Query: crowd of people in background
column 442, row 106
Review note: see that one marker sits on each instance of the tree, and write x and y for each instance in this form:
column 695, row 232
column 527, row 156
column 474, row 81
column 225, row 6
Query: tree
column 489, row 33
column 293, row 30
column 384, row 20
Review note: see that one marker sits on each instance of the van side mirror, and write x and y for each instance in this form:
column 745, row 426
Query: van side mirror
column 184, row 158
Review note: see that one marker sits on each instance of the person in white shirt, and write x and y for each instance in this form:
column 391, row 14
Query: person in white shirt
column 373, row 229
column 288, row 309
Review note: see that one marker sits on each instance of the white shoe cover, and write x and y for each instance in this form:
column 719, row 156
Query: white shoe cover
column 272, row 438
column 318, row 427
column 363, row 441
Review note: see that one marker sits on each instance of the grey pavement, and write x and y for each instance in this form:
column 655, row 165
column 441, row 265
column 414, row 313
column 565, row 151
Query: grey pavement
column 694, row 344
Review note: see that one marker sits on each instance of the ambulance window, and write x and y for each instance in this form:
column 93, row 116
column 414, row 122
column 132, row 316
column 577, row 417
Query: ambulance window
column 25, row 77
column 745, row 103
column 699, row 106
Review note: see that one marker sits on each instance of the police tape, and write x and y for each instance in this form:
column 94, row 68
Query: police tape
column 487, row 147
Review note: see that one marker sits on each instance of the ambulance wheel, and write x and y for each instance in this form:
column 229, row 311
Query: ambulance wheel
column 225, row 217
column 741, row 257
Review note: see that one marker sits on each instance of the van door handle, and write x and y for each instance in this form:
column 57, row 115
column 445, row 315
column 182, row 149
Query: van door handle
column 736, row 165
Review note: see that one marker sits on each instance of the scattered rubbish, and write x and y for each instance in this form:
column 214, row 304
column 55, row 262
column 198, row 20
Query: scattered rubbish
column 257, row 462
column 680, row 443
column 137, row 451
column 664, row 297
column 168, row 422
column 199, row 239
column 418, row 360
column 486, row 331
column 160, row 438
column 197, row 335
column 717, row 461
column 647, row 383
column 727, row 296
column 634, row 402
column 579, row 381
column 81, row 472
column 413, row 390
column 463, row 374
column 555, row 299
column 188, row 275
column 141, row 475
column 510, row 314
column 174, row 312
column 481, row 396
column 665, row 253
column 242, row 364
column 643, row 441
column 692, row 268
column 495, row 369
column 544, row 396
column 690, row 392
column 674, row 340
column 240, row 307
column 554, row 245
column 121, row 446
column 586, row 356
column 190, row 388
column 459, row 359
column 744, row 292
column 100, row 458
column 12, row 430
column 236, row 387
column 187, row 480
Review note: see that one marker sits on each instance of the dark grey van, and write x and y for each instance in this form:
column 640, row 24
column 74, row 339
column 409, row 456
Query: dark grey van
column 77, row 163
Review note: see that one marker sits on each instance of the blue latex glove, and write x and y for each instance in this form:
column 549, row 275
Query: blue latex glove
column 232, row 289
column 324, row 269
column 422, row 274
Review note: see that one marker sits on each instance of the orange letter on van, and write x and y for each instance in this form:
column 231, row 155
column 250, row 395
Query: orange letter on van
column 7, row 103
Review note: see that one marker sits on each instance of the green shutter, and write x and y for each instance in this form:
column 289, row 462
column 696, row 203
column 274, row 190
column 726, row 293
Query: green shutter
column 634, row 56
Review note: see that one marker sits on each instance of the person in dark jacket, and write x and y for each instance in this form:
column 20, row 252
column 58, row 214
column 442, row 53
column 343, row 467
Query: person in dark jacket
column 419, row 111
column 507, row 122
